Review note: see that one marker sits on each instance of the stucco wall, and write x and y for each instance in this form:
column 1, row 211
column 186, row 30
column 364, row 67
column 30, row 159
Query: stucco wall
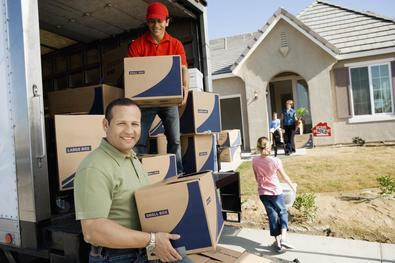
column 369, row 131
column 234, row 86
column 304, row 58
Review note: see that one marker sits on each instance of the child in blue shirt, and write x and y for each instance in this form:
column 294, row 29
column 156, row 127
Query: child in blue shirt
column 275, row 125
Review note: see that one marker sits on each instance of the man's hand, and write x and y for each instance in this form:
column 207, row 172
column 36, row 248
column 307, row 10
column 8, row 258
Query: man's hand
column 163, row 249
column 185, row 95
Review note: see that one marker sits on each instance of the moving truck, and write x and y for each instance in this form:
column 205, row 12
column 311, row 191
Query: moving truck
column 54, row 45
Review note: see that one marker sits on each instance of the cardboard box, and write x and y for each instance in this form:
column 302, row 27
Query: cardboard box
column 153, row 81
column 230, row 154
column 201, row 113
column 85, row 100
column 199, row 152
column 156, row 127
column 195, row 79
column 229, row 138
column 157, row 144
column 188, row 206
column 76, row 136
column 225, row 255
column 159, row 167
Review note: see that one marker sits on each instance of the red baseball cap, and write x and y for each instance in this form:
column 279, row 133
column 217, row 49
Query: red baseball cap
column 157, row 10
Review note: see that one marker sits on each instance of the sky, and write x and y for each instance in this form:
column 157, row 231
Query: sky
column 234, row 17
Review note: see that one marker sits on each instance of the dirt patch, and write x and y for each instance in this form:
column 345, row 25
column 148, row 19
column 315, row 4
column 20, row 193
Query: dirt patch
column 361, row 214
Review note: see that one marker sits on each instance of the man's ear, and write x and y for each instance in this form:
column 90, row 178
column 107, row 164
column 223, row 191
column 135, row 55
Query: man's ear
column 106, row 124
column 167, row 22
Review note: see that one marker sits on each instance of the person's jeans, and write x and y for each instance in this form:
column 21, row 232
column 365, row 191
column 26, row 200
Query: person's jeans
column 171, row 122
column 290, row 133
column 276, row 212
column 107, row 255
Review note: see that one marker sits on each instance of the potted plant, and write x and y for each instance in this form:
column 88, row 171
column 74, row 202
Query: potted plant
column 300, row 113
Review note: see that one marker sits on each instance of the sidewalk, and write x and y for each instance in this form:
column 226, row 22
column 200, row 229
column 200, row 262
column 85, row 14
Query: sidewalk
column 309, row 248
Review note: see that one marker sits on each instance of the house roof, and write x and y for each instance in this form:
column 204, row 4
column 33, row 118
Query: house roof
column 225, row 51
column 349, row 30
column 340, row 31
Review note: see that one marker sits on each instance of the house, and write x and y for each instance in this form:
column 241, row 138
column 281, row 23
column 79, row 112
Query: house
column 337, row 62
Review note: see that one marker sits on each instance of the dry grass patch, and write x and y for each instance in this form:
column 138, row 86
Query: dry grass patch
column 331, row 169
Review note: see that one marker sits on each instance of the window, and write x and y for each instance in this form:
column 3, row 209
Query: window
column 371, row 90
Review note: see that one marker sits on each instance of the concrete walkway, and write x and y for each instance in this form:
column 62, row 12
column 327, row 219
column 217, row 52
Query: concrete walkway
column 309, row 248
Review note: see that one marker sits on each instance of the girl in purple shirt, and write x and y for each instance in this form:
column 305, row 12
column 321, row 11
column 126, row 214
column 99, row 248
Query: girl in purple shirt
column 267, row 170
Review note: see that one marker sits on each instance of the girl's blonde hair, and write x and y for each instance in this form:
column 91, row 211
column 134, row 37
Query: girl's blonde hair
column 263, row 146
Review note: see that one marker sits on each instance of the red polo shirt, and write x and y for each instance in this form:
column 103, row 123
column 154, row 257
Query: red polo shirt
column 145, row 46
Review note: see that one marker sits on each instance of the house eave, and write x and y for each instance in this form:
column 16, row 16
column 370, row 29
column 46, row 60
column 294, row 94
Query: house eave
column 368, row 53
column 223, row 76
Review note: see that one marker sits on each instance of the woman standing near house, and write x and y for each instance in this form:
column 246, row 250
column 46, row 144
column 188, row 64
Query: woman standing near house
column 289, row 117
column 267, row 170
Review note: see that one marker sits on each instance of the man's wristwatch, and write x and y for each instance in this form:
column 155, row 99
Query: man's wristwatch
column 151, row 244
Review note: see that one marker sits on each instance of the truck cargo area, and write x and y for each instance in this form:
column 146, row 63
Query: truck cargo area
column 83, row 43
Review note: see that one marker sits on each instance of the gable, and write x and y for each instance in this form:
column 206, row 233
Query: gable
column 304, row 57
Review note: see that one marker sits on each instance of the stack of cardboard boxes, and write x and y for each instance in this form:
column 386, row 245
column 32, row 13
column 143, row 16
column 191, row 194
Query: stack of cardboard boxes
column 200, row 120
column 229, row 142
column 78, row 117
column 187, row 205
column 156, row 82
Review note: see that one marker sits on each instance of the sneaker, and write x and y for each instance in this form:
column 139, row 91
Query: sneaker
column 285, row 244
column 279, row 249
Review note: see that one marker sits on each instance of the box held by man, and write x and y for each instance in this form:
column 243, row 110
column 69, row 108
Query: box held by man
column 154, row 80
column 188, row 206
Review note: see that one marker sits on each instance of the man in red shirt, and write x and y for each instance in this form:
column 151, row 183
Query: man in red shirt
column 157, row 42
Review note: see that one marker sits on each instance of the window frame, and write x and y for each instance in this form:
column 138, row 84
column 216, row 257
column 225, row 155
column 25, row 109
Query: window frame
column 373, row 116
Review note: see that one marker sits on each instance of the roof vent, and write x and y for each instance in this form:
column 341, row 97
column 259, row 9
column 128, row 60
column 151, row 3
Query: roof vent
column 284, row 49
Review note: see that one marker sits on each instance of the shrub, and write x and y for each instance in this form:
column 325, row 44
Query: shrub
column 358, row 141
column 386, row 184
column 305, row 203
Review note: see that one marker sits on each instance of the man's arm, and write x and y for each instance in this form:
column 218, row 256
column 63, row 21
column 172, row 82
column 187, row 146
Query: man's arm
column 105, row 232
column 185, row 84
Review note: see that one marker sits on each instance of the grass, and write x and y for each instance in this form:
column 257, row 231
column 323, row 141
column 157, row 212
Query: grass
column 331, row 169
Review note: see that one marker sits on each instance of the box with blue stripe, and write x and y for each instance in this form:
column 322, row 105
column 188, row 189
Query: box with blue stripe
column 85, row 100
column 230, row 154
column 157, row 144
column 154, row 80
column 229, row 138
column 157, row 127
column 199, row 152
column 159, row 166
column 76, row 137
column 201, row 113
column 188, row 206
